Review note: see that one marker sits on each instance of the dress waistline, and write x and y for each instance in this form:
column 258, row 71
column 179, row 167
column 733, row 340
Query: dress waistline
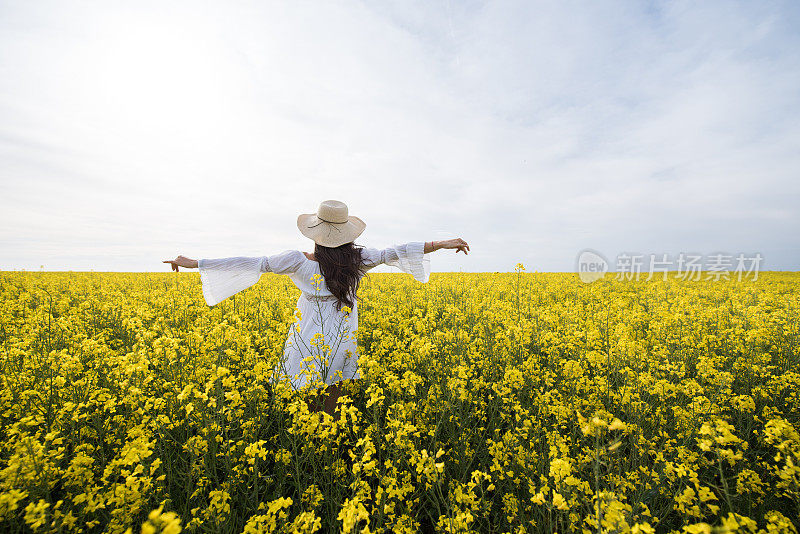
column 315, row 298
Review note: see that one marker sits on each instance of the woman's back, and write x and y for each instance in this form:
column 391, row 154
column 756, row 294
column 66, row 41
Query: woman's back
column 408, row 257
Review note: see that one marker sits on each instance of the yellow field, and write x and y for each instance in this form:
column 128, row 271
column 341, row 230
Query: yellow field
column 490, row 402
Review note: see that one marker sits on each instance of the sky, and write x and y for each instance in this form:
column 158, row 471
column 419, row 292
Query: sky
column 132, row 132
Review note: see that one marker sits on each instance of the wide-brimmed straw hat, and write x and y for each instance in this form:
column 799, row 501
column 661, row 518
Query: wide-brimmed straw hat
column 331, row 226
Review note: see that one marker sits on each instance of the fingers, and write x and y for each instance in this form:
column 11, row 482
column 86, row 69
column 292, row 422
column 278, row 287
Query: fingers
column 457, row 243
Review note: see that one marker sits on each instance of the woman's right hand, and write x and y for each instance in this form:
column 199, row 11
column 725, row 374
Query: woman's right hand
column 182, row 261
column 457, row 243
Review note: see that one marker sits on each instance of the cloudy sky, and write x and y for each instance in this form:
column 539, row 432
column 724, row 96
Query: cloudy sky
column 131, row 132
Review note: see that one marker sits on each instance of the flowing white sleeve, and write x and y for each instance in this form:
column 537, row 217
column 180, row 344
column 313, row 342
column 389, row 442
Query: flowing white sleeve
column 224, row 277
column 408, row 257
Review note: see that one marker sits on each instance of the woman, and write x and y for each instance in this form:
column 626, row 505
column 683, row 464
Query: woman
column 322, row 346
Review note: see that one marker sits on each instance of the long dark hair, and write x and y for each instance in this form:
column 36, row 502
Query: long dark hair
column 340, row 266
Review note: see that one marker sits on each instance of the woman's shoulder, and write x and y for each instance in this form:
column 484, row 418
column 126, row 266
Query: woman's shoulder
column 370, row 256
column 286, row 262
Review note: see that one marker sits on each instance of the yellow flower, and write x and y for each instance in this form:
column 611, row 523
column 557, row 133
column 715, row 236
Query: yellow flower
column 105, row 373
column 559, row 502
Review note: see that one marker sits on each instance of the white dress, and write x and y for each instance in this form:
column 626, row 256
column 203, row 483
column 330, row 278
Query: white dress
column 322, row 344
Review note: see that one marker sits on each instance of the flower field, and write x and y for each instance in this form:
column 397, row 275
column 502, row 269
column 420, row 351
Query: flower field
column 506, row 402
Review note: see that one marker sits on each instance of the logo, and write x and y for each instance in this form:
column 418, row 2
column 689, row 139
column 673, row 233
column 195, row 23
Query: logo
column 591, row 265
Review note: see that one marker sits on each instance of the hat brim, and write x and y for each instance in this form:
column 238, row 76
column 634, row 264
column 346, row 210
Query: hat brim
column 329, row 234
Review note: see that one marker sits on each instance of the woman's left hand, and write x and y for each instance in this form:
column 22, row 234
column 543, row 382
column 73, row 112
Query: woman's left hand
column 182, row 261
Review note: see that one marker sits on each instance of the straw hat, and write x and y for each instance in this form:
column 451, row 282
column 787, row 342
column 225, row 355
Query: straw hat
column 330, row 226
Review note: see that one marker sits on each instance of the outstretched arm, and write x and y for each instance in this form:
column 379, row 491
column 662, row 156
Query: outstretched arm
column 459, row 244
column 410, row 257
column 224, row 277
